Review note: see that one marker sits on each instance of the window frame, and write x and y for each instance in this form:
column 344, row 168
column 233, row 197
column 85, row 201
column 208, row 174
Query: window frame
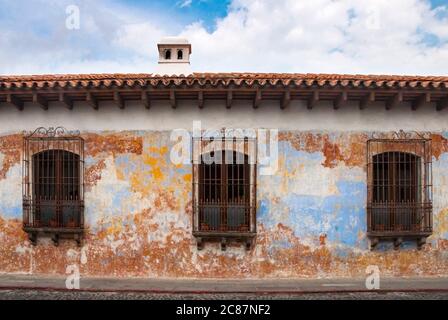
column 246, row 146
column 392, row 217
column 60, row 143
column 180, row 54
column 167, row 54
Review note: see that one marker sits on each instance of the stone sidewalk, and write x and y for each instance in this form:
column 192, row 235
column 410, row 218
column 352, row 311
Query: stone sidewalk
column 193, row 286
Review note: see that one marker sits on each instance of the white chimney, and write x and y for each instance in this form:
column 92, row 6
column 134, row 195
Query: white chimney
column 174, row 57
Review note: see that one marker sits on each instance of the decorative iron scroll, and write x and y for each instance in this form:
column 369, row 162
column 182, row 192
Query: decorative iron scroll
column 52, row 132
column 402, row 135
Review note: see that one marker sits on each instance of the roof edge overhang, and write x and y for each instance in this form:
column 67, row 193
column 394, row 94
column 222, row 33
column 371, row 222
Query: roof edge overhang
column 339, row 88
column 247, row 79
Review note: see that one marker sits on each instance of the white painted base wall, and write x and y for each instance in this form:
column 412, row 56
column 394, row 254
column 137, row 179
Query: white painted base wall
column 214, row 115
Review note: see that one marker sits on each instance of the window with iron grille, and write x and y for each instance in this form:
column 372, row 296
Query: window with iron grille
column 53, row 186
column 224, row 188
column 399, row 193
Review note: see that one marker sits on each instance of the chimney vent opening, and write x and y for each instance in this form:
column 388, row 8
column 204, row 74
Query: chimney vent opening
column 168, row 54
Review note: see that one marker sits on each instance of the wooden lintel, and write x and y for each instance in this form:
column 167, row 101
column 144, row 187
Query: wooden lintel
column 63, row 99
column 229, row 100
column 286, row 100
column 340, row 101
column 257, row 99
column 173, row 101
column 313, row 100
column 145, row 99
column 442, row 104
column 367, row 100
column 200, row 99
column 421, row 100
column 118, row 99
column 396, row 99
column 16, row 102
column 91, row 100
column 39, row 100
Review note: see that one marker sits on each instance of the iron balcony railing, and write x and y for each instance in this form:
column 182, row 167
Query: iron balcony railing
column 399, row 218
column 51, row 214
column 215, row 216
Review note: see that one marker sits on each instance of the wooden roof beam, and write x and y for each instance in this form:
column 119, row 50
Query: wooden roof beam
column 340, row 101
column 394, row 101
column 16, row 102
column 421, row 100
column 145, row 100
column 367, row 100
column 442, row 104
column 173, row 100
column 229, row 100
column 92, row 101
column 39, row 100
column 313, row 100
column 257, row 99
column 286, row 100
column 118, row 100
column 65, row 101
column 200, row 99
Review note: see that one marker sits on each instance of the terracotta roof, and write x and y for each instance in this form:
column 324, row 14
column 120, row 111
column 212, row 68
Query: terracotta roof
column 249, row 79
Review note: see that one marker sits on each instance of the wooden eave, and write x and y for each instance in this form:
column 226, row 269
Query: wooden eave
column 173, row 90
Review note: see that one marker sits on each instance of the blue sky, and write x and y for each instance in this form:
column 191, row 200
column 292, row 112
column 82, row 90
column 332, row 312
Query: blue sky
column 436, row 3
column 185, row 11
column 322, row 36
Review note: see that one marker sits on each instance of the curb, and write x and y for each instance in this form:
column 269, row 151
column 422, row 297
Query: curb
column 204, row 292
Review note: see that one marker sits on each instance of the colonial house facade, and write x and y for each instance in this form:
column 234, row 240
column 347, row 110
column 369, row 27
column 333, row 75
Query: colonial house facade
column 320, row 175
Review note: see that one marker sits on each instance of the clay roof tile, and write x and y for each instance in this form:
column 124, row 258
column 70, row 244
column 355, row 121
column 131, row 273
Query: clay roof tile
column 249, row 79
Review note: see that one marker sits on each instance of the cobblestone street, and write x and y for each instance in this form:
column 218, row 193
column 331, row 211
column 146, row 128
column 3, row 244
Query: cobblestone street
column 82, row 295
column 32, row 287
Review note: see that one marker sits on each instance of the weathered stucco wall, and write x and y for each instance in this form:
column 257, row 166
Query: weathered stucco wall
column 311, row 215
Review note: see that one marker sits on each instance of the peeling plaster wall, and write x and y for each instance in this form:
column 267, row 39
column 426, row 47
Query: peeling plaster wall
column 311, row 214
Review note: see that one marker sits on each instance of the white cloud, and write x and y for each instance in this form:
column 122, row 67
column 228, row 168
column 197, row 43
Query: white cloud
column 185, row 3
column 345, row 36
column 323, row 36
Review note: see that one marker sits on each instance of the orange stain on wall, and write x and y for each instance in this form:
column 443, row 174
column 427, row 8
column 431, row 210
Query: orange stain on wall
column 11, row 148
column 113, row 143
column 157, row 161
column 349, row 148
column 439, row 145
column 157, row 174
column 187, row 177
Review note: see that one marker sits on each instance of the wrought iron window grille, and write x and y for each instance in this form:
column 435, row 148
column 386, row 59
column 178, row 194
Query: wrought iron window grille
column 224, row 189
column 53, row 183
column 399, row 187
